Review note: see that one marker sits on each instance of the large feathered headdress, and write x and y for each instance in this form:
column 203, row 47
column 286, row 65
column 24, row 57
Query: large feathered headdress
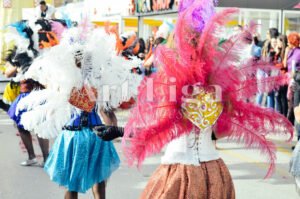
column 198, row 59
column 100, row 68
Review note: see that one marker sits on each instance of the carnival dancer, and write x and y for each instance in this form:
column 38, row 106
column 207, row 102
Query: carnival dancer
column 207, row 91
column 30, row 37
column 11, row 92
column 21, row 61
column 79, row 160
column 12, row 89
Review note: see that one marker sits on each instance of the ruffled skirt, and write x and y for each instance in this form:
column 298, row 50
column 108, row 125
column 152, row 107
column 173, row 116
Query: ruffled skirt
column 12, row 110
column 79, row 159
column 210, row 180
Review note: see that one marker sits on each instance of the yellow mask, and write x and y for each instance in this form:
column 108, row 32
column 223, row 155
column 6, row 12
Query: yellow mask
column 202, row 108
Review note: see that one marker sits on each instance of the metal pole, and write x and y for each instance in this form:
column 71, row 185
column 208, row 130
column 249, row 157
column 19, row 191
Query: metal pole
column 282, row 22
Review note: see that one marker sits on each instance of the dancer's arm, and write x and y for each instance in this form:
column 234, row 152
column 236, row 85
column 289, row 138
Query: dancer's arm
column 10, row 71
column 108, row 133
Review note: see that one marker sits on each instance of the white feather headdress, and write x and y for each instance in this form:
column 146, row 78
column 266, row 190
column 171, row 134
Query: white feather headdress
column 48, row 110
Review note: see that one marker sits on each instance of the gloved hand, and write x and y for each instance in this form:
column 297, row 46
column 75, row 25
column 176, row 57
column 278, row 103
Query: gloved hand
column 108, row 133
column 136, row 70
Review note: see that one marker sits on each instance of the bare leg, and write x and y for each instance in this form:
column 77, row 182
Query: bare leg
column 109, row 117
column 44, row 144
column 27, row 140
column 71, row 195
column 99, row 190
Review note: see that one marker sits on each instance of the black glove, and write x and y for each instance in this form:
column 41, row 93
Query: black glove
column 13, row 84
column 136, row 70
column 108, row 133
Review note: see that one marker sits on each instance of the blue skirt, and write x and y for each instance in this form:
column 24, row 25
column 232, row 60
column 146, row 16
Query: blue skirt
column 12, row 110
column 80, row 159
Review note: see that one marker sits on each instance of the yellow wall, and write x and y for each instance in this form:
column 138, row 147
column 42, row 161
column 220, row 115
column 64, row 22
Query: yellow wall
column 9, row 15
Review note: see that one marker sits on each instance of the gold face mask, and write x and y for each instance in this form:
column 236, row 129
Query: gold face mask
column 203, row 107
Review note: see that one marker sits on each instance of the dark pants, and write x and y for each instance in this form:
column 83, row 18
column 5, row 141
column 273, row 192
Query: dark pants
column 281, row 100
column 290, row 114
column 271, row 99
column 297, row 95
column 296, row 103
column 4, row 106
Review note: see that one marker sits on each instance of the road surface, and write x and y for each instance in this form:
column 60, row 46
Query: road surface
column 247, row 168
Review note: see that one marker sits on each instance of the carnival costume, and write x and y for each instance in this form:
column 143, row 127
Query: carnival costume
column 76, row 74
column 30, row 38
column 200, row 87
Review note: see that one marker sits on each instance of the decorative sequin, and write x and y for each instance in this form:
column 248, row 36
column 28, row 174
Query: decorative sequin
column 202, row 108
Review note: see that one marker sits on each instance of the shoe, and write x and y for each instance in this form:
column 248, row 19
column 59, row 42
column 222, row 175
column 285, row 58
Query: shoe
column 42, row 164
column 29, row 162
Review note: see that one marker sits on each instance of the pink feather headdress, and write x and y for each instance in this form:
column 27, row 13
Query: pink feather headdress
column 58, row 28
column 157, row 118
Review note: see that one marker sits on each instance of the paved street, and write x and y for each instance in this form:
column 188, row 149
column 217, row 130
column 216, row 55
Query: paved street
column 246, row 167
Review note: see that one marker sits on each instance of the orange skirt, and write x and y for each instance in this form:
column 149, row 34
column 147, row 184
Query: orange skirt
column 210, row 180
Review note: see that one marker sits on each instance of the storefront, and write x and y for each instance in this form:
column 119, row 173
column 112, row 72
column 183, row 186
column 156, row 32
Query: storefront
column 152, row 13
column 267, row 14
column 291, row 21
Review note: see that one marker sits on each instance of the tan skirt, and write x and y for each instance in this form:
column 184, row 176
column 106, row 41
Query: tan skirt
column 210, row 180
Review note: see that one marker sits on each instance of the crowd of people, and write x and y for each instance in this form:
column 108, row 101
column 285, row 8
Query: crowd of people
column 132, row 46
column 283, row 52
column 199, row 88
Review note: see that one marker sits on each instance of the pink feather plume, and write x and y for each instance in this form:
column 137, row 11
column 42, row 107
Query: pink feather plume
column 157, row 119
column 57, row 28
column 198, row 58
column 250, row 124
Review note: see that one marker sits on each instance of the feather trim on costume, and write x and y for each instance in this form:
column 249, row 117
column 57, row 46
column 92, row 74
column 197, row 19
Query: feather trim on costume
column 49, row 110
column 57, row 28
column 153, row 124
column 157, row 119
column 250, row 124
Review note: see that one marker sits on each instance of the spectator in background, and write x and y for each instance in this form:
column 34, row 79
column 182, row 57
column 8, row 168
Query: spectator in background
column 272, row 59
column 256, row 49
column 149, row 44
column 44, row 11
column 141, row 53
column 281, row 95
column 293, row 55
column 268, row 53
column 290, row 94
column 256, row 55
column 272, row 33
column 148, row 63
column 293, row 65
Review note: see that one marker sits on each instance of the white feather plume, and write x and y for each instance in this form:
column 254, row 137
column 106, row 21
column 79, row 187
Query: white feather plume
column 48, row 110
column 109, row 73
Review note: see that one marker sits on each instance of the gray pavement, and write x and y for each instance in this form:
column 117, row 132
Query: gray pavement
column 247, row 168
